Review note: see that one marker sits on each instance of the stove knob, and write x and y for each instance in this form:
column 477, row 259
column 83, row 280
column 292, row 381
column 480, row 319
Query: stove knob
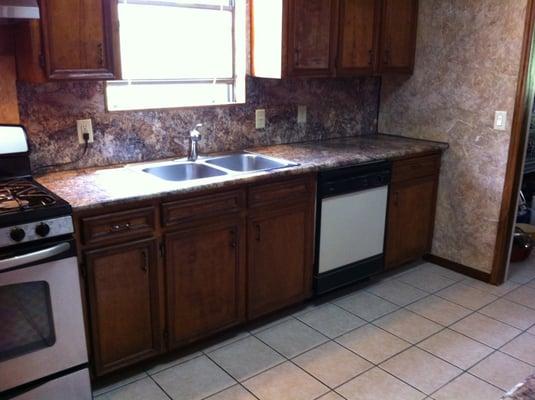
column 17, row 234
column 42, row 229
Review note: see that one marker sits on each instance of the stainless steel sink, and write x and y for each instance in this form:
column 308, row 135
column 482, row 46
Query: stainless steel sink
column 248, row 162
column 184, row 171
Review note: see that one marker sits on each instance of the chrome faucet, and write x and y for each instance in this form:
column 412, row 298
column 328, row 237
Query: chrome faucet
column 194, row 137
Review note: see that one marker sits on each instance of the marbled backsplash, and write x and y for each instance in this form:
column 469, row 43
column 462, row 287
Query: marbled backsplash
column 336, row 108
column 467, row 63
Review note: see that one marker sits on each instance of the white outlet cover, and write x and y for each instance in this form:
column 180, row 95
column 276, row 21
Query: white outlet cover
column 84, row 126
column 301, row 114
column 500, row 120
column 260, row 119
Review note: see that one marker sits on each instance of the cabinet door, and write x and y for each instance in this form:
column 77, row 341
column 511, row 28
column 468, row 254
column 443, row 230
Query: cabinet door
column 280, row 262
column 123, row 304
column 80, row 38
column 311, row 37
column 398, row 35
column 411, row 214
column 205, row 280
column 357, row 36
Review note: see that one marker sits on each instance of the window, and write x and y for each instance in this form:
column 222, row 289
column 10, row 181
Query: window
column 176, row 53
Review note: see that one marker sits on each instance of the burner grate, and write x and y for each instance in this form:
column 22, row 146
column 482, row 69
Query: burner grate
column 23, row 195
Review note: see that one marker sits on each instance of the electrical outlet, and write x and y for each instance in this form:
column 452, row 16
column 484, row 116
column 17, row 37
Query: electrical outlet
column 500, row 120
column 260, row 119
column 301, row 114
column 84, row 126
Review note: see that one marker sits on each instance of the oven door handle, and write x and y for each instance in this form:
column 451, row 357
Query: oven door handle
column 35, row 256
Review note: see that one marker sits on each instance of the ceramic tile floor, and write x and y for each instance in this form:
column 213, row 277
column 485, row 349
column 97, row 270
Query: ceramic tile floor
column 425, row 333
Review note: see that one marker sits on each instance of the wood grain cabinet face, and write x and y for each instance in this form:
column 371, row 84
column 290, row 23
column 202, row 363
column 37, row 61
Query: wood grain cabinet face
column 311, row 37
column 80, row 39
column 280, row 265
column 205, row 280
column 357, row 44
column 398, row 35
column 123, row 304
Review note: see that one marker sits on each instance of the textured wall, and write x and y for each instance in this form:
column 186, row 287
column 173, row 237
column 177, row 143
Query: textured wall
column 467, row 63
column 336, row 107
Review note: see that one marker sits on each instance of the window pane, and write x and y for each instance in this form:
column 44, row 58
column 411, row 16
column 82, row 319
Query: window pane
column 25, row 319
column 166, row 42
column 143, row 96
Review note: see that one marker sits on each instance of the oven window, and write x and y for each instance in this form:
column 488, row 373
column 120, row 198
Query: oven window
column 26, row 322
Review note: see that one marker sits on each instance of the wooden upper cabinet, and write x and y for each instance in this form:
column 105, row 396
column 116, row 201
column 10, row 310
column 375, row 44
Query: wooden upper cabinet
column 357, row 44
column 311, row 37
column 398, row 36
column 80, row 39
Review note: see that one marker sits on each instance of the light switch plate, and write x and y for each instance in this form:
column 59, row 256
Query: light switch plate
column 301, row 114
column 260, row 119
column 500, row 120
column 84, row 126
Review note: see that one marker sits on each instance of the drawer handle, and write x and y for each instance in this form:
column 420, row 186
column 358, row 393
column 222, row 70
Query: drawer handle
column 258, row 232
column 233, row 242
column 120, row 227
column 145, row 265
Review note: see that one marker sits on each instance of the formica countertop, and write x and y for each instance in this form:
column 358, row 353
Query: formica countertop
column 104, row 186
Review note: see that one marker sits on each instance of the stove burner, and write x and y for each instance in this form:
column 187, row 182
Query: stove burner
column 23, row 195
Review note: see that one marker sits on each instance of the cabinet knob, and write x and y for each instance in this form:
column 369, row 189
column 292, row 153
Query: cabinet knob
column 233, row 242
column 145, row 264
column 258, row 232
column 100, row 55
column 120, row 227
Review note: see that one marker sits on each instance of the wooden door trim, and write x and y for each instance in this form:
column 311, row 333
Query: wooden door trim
column 525, row 93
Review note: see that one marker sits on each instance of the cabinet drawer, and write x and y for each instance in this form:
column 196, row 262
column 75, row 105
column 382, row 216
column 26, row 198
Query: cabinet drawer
column 418, row 167
column 118, row 226
column 196, row 208
column 285, row 191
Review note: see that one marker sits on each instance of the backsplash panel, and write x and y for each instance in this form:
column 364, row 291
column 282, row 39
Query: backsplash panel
column 335, row 108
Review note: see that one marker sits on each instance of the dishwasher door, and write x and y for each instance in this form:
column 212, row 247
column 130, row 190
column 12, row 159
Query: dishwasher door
column 352, row 228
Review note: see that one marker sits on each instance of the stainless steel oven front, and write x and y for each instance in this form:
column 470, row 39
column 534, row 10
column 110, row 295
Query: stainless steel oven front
column 42, row 335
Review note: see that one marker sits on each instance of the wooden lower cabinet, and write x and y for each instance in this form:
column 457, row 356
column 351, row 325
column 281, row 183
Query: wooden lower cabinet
column 411, row 216
column 280, row 243
column 122, row 284
column 205, row 275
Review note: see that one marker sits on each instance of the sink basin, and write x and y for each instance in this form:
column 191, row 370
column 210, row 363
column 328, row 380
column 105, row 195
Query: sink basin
column 248, row 162
column 184, row 172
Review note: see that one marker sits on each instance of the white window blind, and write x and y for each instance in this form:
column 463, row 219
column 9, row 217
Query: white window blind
column 176, row 53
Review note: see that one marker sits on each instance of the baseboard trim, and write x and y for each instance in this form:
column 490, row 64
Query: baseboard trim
column 462, row 269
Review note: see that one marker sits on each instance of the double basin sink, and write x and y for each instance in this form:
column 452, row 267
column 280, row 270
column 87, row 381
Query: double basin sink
column 179, row 171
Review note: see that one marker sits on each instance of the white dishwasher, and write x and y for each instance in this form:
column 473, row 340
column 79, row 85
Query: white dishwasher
column 350, row 234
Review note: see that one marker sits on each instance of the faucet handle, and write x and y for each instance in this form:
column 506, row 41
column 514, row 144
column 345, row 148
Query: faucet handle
column 194, row 133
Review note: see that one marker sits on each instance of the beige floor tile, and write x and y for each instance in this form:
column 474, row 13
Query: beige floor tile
column 332, row 364
column 524, row 295
column 373, row 343
column 427, row 280
column 501, row 290
column 468, row 387
column 485, row 330
column 439, row 310
column 511, row 313
column 246, row 357
column 291, row 338
column 116, row 382
column 531, row 330
column 502, row 371
column 285, row 382
column 194, row 379
column 168, row 362
column 522, row 272
column 397, row 292
column 456, row 348
column 331, row 396
column 270, row 323
column 366, row 305
column 226, row 340
column 466, row 296
column 448, row 273
column 377, row 384
column 421, row 370
column 142, row 389
column 331, row 320
column 236, row 392
column 408, row 326
column 522, row 347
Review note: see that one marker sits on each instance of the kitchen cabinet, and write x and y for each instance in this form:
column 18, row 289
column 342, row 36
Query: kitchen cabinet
column 205, row 273
column 411, row 209
column 320, row 38
column 280, row 246
column 122, row 287
column 78, row 40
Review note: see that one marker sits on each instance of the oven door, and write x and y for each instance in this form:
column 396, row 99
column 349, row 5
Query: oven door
column 42, row 329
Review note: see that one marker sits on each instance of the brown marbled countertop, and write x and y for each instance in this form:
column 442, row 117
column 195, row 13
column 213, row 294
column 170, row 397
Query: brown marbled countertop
column 98, row 187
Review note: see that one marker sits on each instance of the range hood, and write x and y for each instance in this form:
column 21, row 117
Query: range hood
column 19, row 9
